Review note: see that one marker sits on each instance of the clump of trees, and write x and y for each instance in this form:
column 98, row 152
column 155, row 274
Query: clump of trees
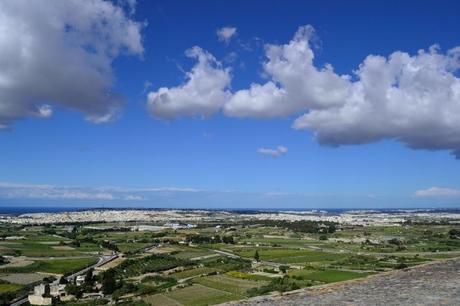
column 228, row 264
column 283, row 269
column 198, row 239
column 109, row 282
column 152, row 263
column 3, row 260
column 282, row 284
column 454, row 233
column 303, row 226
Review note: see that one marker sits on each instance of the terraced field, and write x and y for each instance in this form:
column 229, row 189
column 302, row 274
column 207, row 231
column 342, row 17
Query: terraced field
column 431, row 284
column 292, row 255
column 57, row 266
column 230, row 284
column 196, row 295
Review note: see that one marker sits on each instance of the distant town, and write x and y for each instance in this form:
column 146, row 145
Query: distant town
column 352, row 217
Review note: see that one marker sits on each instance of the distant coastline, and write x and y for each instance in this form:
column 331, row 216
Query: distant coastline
column 55, row 209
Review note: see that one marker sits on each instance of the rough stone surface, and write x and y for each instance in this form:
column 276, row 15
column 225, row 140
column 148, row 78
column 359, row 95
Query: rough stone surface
column 430, row 284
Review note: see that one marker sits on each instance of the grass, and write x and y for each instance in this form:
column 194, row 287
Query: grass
column 244, row 275
column 327, row 276
column 192, row 272
column 160, row 300
column 9, row 288
column 230, row 284
column 57, row 266
column 192, row 254
column 293, row 256
column 22, row 278
column 284, row 242
column 37, row 249
column 132, row 246
column 198, row 295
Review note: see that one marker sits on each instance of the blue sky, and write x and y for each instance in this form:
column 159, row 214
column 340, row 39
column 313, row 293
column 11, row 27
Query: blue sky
column 59, row 149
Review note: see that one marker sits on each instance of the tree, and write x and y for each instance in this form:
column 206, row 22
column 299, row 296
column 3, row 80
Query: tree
column 89, row 277
column 74, row 290
column 228, row 240
column 109, row 283
column 256, row 256
column 283, row 269
column 453, row 233
column 395, row 241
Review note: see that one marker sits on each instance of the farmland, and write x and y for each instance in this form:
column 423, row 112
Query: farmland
column 213, row 261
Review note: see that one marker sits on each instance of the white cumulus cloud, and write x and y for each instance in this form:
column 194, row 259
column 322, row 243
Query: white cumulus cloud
column 437, row 192
column 225, row 34
column 203, row 93
column 410, row 98
column 56, row 52
column 295, row 83
column 276, row 152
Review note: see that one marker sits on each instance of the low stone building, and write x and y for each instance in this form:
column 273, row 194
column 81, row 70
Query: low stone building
column 45, row 293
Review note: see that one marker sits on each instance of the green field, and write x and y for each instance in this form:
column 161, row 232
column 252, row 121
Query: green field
column 198, row 295
column 311, row 255
column 9, row 288
column 230, row 284
column 192, row 272
column 160, row 300
column 56, row 266
column 292, row 255
column 189, row 254
column 132, row 246
column 328, row 276
column 35, row 249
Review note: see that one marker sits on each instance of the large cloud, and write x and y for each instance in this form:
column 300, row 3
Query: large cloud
column 414, row 99
column 295, row 84
column 60, row 53
column 203, row 93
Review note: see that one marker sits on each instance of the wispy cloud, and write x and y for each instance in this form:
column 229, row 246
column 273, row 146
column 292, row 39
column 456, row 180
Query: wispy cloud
column 437, row 192
column 277, row 152
column 225, row 34
column 50, row 192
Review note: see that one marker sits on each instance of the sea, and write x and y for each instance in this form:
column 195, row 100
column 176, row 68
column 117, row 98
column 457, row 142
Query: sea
column 16, row 210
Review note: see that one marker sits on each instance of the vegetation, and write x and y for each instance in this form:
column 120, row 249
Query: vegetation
column 278, row 284
column 57, row 266
column 208, row 264
column 148, row 264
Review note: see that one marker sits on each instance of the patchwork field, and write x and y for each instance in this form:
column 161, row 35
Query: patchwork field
column 22, row 278
column 55, row 266
column 328, row 276
column 292, row 256
column 230, row 284
column 214, row 263
column 198, row 295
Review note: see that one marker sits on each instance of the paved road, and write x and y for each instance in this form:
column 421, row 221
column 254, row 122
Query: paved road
column 102, row 261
